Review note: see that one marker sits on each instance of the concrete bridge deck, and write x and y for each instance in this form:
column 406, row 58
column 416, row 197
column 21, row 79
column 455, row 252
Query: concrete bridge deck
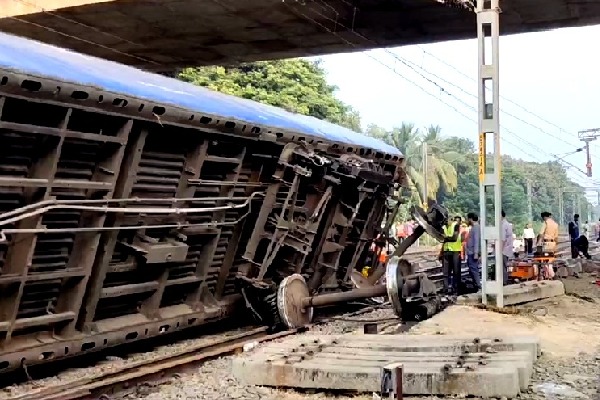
column 162, row 35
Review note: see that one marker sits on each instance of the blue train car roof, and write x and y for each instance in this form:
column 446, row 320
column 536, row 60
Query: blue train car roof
column 42, row 60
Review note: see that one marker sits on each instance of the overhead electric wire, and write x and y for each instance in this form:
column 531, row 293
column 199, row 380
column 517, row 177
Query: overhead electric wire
column 90, row 27
column 81, row 39
column 407, row 63
column 414, row 65
column 420, row 87
column 502, row 97
column 403, row 61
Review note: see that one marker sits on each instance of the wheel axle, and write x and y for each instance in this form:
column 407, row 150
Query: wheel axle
column 406, row 290
column 412, row 297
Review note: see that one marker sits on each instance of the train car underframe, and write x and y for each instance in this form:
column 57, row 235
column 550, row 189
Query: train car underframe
column 122, row 221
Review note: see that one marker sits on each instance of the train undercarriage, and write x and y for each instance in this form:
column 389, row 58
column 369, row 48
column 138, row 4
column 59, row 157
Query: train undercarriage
column 118, row 225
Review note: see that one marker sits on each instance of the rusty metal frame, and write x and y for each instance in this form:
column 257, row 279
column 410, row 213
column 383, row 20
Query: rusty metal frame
column 104, row 293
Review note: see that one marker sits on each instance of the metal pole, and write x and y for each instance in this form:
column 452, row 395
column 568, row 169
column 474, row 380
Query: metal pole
column 400, row 250
column 425, row 171
column 342, row 297
column 529, row 201
column 488, row 27
column 588, row 164
column 561, row 218
column 587, row 136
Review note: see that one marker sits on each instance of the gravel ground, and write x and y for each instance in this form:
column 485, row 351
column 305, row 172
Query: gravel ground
column 554, row 379
column 110, row 364
column 568, row 369
column 568, row 327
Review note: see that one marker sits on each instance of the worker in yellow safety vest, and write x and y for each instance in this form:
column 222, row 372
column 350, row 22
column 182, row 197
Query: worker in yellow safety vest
column 451, row 249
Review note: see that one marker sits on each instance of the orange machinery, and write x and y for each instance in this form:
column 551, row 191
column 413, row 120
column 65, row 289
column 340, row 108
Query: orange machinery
column 538, row 267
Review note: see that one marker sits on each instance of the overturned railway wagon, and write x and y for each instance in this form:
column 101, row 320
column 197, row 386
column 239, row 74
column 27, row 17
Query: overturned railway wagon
column 134, row 205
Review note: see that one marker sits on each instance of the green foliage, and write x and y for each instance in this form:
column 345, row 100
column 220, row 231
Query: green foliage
column 295, row 85
column 441, row 175
column 453, row 177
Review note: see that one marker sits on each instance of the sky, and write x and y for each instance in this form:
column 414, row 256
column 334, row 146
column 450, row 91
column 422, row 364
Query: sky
column 549, row 88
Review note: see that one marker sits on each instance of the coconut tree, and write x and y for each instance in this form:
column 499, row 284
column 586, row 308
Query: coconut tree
column 409, row 140
column 441, row 171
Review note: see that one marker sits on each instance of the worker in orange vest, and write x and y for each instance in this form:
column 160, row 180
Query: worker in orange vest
column 380, row 251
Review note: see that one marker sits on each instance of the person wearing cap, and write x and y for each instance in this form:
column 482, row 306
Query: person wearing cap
column 548, row 236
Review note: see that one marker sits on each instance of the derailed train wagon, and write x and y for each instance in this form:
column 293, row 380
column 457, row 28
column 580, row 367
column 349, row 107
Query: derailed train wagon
column 134, row 205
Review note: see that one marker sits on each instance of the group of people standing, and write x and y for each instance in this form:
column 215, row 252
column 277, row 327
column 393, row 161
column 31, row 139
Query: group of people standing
column 462, row 244
column 459, row 246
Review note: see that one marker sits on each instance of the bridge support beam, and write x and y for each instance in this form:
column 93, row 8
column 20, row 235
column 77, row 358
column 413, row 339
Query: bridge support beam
column 488, row 33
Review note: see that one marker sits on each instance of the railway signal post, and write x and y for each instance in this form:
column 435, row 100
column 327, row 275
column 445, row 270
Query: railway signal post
column 488, row 33
column 588, row 136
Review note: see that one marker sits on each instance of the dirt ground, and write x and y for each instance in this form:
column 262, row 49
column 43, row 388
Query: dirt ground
column 568, row 327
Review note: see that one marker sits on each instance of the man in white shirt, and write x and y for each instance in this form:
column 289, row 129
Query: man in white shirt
column 507, row 245
column 528, row 236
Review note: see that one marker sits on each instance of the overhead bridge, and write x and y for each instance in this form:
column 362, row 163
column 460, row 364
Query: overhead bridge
column 162, row 35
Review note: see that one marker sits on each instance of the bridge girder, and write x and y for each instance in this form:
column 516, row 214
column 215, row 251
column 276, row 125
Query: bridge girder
column 163, row 35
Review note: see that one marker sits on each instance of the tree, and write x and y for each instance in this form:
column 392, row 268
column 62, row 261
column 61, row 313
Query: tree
column 547, row 180
column 441, row 174
column 452, row 176
column 295, row 85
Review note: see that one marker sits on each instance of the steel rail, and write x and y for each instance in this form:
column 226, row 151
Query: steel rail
column 115, row 380
column 107, row 383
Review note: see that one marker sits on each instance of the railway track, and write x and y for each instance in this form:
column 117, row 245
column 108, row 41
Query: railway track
column 155, row 369
column 102, row 386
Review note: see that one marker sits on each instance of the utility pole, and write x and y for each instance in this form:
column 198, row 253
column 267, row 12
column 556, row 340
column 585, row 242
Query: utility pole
column 488, row 27
column 598, row 206
column 425, row 171
column 587, row 136
column 529, row 200
column 561, row 207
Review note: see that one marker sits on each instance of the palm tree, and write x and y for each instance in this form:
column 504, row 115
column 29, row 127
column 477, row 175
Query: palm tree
column 441, row 171
column 409, row 140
